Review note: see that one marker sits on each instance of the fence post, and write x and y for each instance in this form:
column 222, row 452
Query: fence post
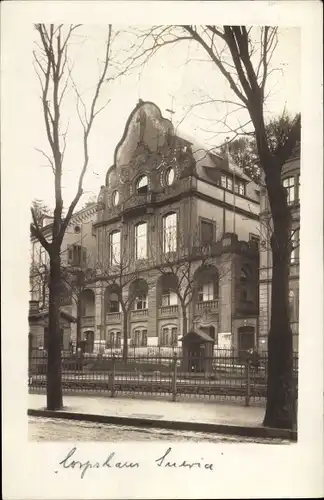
column 111, row 381
column 248, row 382
column 174, row 377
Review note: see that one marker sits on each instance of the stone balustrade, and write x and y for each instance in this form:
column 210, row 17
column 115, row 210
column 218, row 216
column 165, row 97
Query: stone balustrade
column 139, row 313
column 207, row 304
column 113, row 317
column 168, row 310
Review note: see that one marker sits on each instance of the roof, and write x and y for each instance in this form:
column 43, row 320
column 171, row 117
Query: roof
column 41, row 314
column 200, row 334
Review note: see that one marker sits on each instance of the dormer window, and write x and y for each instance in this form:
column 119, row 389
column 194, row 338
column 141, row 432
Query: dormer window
column 142, row 185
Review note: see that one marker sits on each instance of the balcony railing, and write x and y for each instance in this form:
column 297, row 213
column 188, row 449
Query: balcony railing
column 87, row 321
column 113, row 317
column 168, row 310
column 139, row 313
column 207, row 304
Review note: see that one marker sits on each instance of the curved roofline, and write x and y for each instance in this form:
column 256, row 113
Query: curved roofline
column 129, row 119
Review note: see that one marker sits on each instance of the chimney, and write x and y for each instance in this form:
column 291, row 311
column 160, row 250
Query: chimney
column 33, row 306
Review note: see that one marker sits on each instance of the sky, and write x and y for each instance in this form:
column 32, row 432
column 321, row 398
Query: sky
column 178, row 77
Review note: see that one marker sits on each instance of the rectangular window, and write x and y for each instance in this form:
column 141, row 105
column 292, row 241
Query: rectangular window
column 141, row 241
column 229, row 184
column 223, row 181
column 165, row 299
column 289, row 185
column 144, row 338
column 77, row 255
column 141, row 302
column 241, row 188
column 207, row 232
column 206, row 292
column 114, row 248
column 114, row 306
column 165, row 337
column 170, row 233
column 174, row 337
column 294, row 256
column 236, row 187
column 137, row 338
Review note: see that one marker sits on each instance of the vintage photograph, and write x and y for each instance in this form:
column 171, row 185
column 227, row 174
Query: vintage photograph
column 164, row 233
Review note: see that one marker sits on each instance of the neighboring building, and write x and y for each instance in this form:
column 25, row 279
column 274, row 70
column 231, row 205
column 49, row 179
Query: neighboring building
column 166, row 198
column 291, row 181
column 78, row 252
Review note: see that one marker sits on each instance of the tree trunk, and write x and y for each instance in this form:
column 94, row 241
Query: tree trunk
column 280, row 408
column 184, row 319
column 54, row 382
column 125, row 335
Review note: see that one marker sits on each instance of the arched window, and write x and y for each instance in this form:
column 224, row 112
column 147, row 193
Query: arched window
column 87, row 302
column 141, row 240
column 170, row 232
column 142, row 185
column 114, row 248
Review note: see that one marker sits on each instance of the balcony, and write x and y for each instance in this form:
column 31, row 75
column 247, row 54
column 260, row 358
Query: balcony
column 168, row 311
column 113, row 317
column 139, row 314
column 87, row 321
column 207, row 305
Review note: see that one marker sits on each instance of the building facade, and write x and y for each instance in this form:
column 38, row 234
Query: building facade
column 174, row 241
column 169, row 208
column 291, row 181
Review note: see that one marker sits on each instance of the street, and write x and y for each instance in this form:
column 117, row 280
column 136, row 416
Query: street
column 46, row 429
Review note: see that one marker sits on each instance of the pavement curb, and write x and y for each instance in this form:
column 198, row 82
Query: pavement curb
column 236, row 430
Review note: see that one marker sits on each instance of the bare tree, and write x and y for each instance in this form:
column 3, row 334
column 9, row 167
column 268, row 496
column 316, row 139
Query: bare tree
column 54, row 72
column 119, row 275
column 243, row 56
column 41, row 210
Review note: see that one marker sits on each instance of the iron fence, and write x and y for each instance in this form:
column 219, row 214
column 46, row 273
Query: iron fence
column 226, row 376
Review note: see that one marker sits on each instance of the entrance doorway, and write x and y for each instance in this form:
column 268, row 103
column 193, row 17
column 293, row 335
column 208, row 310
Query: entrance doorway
column 245, row 338
column 89, row 341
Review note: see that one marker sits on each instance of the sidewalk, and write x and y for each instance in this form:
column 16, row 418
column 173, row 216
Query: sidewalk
column 199, row 416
